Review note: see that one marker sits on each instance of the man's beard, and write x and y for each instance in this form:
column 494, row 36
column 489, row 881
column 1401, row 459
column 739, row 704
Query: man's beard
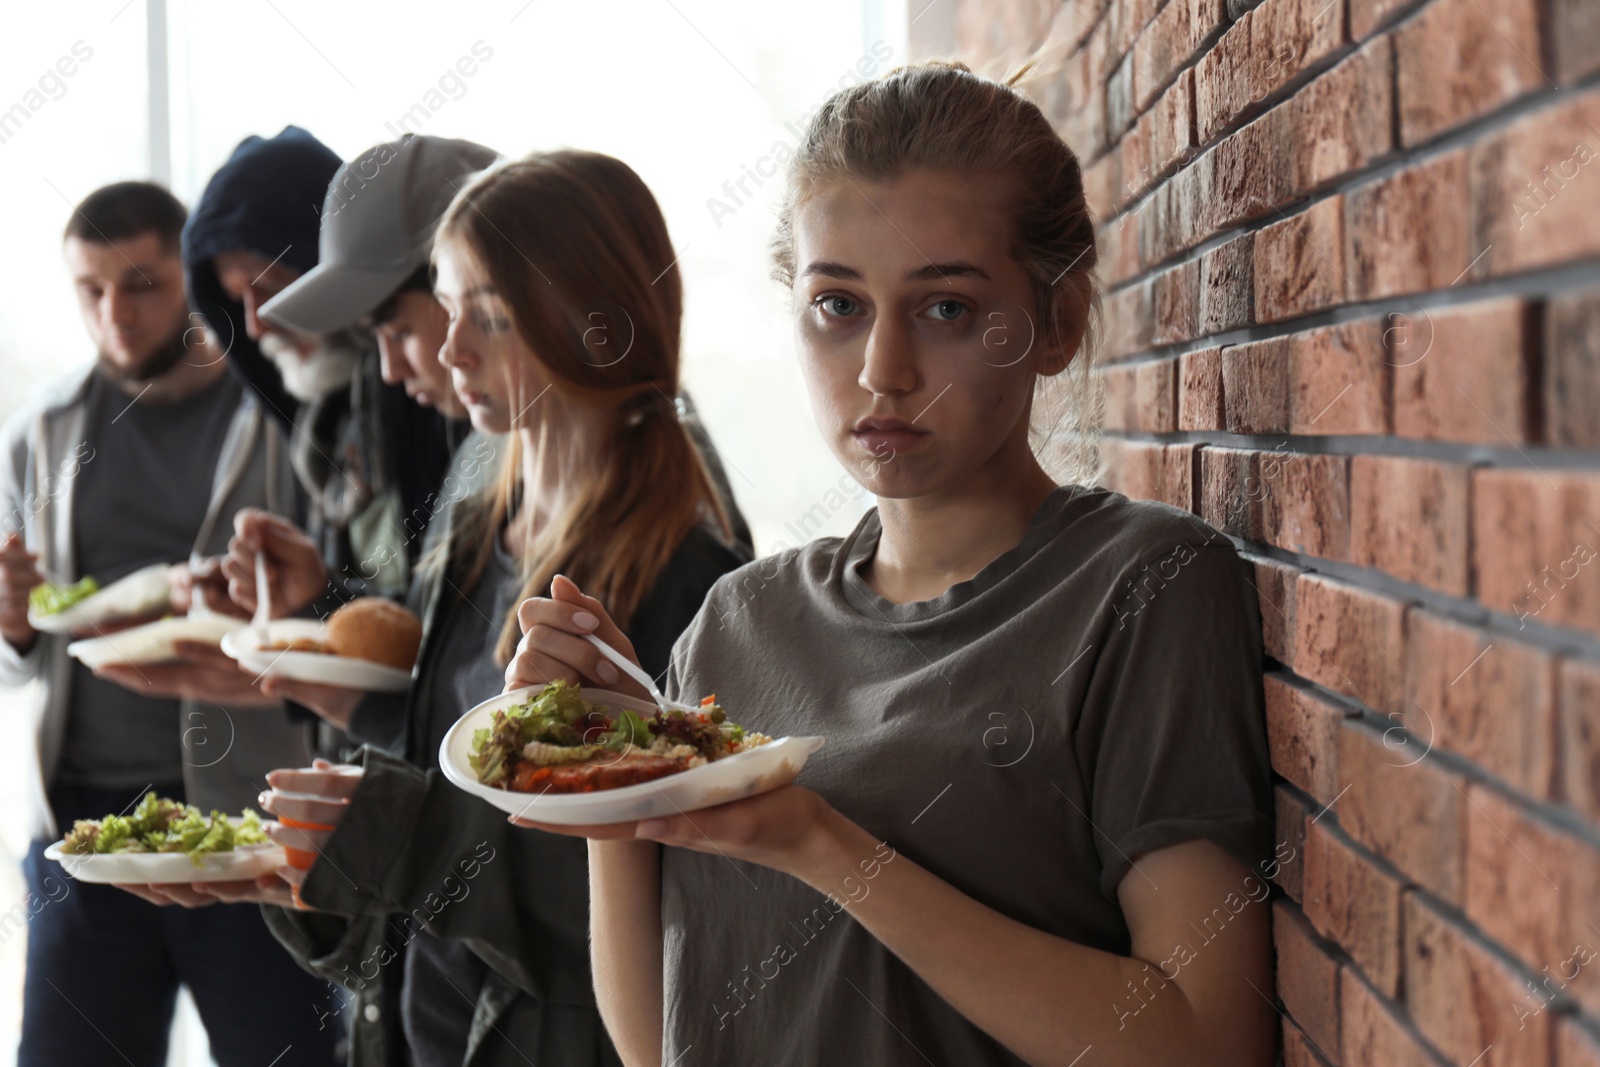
column 157, row 363
column 330, row 366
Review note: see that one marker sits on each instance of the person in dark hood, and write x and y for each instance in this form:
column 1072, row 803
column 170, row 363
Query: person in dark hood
column 365, row 453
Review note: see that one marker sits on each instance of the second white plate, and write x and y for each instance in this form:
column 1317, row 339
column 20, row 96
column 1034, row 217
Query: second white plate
column 151, row 643
column 244, row 645
column 240, row 864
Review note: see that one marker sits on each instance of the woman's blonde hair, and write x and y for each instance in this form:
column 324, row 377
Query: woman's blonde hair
column 576, row 247
column 940, row 115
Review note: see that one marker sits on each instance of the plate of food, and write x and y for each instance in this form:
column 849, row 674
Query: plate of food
column 582, row 757
column 84, row 605
column 164, row 841
column 154, row 642
column 370, row 643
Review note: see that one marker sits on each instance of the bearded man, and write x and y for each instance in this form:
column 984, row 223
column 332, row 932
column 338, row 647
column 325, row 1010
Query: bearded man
column 141, row 459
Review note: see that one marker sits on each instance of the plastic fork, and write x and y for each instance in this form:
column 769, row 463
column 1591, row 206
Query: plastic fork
column 634, row 671
column 263, row 600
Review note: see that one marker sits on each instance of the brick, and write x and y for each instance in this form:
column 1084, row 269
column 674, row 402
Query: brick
column 1351, row 901
column 1152, row 472
column 1176, row 296
column 1142, row 397
column 1350, row 640
column 1166, row 128
column 1304, row 502
column 1200, row 390
column 1252, row 172
column 1126, row 20
column 1222, row 80
column 1255, row 386
column 1371, row 1033
column 1299, row 262
column 1227, row 289
column 1308, row 977
column 1410, row 518
column 1407, row 233
column 1298, row 1050
column 1472, row 1005
column 1510, row 512
column 1179, row 31
column 1119, row 250
column 1572, row 583
column 1289, row 820
column 1533, row 889
column 1274, row 583
column 1533, row 187
column 1572, row 368
column 1190, row 207
column 1578, row 730
column 1227, row 492
column 1576, row 1046
column 1129, row 325
column 1536, row 539
column 1340, row 122
column 1459, row 59
column 1403, row 806
column 1303, row 738
column 1120, row 111
column 1339, row 380
column 1133, row 168
column 1265, row 50
column 1464, row 374
column 1367, row 16
column 1486, row 697
column 1575, row 38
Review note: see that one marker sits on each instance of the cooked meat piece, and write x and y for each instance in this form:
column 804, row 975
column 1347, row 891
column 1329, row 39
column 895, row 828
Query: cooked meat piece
column 298, row 644
column 605, row 771
column 372, row 628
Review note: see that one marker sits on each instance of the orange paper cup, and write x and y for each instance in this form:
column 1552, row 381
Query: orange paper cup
column 299, row 858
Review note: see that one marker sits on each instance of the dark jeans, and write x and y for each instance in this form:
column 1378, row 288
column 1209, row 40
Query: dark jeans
column 104, row 969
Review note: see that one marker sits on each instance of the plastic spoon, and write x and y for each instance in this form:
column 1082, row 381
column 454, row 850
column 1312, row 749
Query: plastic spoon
column 634, row 671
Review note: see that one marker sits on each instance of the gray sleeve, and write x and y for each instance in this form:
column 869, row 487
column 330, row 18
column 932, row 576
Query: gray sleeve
column 15, row 667
column 1173, row 734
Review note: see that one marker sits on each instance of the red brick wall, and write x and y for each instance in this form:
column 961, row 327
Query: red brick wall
column 1351, row 255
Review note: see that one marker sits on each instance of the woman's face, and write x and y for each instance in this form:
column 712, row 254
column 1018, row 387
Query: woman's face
column 916, row 330
column 493, row 371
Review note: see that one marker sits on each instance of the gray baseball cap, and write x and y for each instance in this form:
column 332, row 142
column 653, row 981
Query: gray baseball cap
column 377, row 228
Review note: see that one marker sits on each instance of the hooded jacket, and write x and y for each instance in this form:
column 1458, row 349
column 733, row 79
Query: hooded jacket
column 367, row 456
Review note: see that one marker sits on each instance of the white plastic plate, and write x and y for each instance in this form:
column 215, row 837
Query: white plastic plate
column 151, row 643
column 746, row 774
column 144, row 592
column 248, row 862
column 244, row 645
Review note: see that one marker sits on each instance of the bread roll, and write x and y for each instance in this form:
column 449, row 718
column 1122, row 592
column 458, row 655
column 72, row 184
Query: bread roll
column 375, row 629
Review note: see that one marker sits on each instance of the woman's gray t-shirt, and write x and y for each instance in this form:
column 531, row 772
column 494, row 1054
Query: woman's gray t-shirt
column 1093, row 694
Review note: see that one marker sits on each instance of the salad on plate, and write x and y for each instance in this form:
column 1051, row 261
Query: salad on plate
column 559, row 742
column 162, row 825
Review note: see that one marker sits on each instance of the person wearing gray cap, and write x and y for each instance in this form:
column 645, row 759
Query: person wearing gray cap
column 377, row 229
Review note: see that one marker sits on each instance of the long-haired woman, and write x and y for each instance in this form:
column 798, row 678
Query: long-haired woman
column 565, row 314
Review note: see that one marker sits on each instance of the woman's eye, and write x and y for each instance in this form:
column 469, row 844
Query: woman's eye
column 947, row 310
column 837, row 306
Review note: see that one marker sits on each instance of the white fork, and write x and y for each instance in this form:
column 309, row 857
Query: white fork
column 637, row 674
